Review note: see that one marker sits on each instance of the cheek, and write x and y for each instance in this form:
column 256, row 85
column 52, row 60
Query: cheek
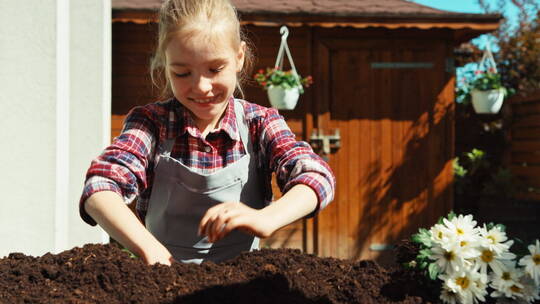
column 230, row 78
column 178, row 85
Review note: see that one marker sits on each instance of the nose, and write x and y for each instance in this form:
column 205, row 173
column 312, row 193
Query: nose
column 202, row 84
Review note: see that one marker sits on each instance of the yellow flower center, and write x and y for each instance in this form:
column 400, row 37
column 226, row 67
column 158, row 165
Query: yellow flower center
column 536, row 259
column 492, row 239
column 439, row 235
column 506, row 276
column 515, row 289
column 449, row 255
column 459, row 231
column 463, row 282
column 463, row 243
column 487, row 256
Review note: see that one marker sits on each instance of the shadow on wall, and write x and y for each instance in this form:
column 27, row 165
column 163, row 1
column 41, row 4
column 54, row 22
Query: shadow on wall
column 411, row 194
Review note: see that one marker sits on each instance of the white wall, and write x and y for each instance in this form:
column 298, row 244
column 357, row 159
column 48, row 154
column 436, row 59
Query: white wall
column 55, row 109
column 90, row 102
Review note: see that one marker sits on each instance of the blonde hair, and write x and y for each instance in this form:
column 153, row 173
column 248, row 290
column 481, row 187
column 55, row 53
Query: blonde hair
column 198, row 15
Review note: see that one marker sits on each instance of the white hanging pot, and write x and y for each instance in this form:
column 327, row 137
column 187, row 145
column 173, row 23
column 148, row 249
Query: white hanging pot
column 487, row 102
column 283, row 99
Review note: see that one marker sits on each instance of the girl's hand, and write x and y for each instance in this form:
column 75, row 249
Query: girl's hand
column 221, row 219
column 158, row 255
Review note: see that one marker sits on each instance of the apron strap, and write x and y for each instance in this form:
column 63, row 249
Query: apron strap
column 168, row 144
column 167, row 147
column 242, row 126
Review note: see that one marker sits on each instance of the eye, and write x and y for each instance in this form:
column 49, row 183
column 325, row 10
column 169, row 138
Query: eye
column 180, row 75
column 217, row 70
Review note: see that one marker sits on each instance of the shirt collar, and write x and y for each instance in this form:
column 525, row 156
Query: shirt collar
column 226, row 124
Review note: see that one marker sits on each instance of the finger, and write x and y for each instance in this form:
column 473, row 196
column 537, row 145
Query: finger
column 223, row 224
column 209, row 216
column 232, row 221
column 218, row 225
column 208, row 221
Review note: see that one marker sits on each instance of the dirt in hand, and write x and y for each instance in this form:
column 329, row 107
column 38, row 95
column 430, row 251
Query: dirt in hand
column 106, row 274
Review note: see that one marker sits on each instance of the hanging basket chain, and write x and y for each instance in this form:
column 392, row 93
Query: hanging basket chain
column 487, row 58
column 284, row 47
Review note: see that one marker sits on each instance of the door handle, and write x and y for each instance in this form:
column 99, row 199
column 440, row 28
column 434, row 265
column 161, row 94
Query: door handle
column 325, row 143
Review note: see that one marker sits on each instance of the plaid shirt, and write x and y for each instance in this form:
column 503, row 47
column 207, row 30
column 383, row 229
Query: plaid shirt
column 127, row 165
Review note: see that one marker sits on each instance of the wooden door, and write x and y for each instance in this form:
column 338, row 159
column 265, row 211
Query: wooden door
column 392, row 103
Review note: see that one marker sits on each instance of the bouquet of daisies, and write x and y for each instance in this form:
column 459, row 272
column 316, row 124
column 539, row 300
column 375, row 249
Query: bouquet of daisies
column 474, row 262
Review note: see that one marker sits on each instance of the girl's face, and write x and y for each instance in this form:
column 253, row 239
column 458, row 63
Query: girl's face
column 202, row 71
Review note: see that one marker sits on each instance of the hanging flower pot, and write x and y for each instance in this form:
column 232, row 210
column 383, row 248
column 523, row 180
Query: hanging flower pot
column 486, row 89
column 283, row 98
column 487, row 102
column 283, row 87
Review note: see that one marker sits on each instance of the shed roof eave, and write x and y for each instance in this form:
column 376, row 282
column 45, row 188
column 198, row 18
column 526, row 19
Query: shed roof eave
column 483, row 22
column 383, row 15
column 455, row 17
column 486, row 23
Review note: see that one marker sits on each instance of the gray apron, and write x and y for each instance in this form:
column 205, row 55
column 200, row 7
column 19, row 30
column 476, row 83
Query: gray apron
column 180, row 197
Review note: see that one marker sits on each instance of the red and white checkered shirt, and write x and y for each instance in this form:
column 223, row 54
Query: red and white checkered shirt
column 127, row 165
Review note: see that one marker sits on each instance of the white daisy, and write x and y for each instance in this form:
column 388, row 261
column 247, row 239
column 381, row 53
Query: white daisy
column 514, row 291
column 495, row 260
column 506, row 283
column 495, row 239
column 530, row 291
column 469, row 245
column 461, row 226
column 439, row 234
column 448, row 296
column 532, row 262
column 450, row 258
column 467, row 285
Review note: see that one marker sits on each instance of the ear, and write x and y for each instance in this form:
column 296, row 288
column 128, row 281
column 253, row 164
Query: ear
column 241, row 56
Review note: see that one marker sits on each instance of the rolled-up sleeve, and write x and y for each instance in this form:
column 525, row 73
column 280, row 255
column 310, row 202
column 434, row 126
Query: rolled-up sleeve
column 122, row 167
column 294, row 162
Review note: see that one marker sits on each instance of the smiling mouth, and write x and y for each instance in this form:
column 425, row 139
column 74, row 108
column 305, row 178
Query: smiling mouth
column 205, row 100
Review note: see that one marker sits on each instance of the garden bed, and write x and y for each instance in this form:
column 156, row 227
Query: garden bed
column 106, row 274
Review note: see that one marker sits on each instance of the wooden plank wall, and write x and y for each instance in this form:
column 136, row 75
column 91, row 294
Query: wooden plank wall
column 394, row 167
column 525, row 142
column 131, row 52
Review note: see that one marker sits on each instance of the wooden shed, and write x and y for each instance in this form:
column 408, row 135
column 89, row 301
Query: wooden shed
column 383, row 76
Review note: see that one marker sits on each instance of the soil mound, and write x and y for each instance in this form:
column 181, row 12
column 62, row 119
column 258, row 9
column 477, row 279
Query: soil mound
column 106, row 274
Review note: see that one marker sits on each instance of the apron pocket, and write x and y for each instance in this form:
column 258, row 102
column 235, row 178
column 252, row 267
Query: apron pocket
column 206, row 191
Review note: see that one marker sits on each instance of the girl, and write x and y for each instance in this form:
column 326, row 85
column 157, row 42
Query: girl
column 200, row 162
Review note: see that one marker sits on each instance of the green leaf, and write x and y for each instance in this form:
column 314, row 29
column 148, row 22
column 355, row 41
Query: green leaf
column 131, row 254
column 451, row 215
column 433, row 271
column 501, row 227
column 440, row 220
column 424, row 253
column 422, row 237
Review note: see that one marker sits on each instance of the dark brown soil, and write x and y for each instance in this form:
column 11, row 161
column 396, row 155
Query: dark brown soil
column 106, row 274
